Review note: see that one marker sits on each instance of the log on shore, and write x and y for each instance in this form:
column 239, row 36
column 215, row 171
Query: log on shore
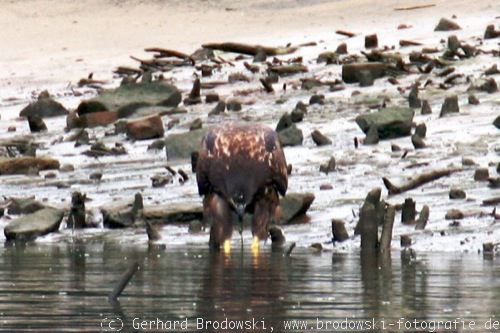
column 249, row 49
column 418, row 181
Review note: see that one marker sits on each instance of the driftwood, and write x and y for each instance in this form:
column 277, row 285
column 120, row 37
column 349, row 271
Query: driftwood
column 368, row 227
column 164, row 53
column 285, row 70
column 249, row 49
column 415, row 7
column 404, row 42
column 289, row 250
column 345, row 33
column 491, row 202
column 124, row 280
column 419, row 180
column 386, row 237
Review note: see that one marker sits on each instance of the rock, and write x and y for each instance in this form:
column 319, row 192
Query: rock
column 339, row 231
column 417, row 141
column 494, row 183
column 297, row 115
column 291, row 136
column 50, row 175
column 27, row 165
column 288, row 70
column 365, row 78
column 11, row 129
column 293, row 205
column 446, row 25
column 21, row 206
column 157, row 145
column 491, row 32
column 329, row 166
column 219, row 108
column 405, row 240
column 468, row 162
column 453, row 43
column 31, row 226
column 67, row 168
column 481, row 175
column 76, row 218
column 341, row 48
column 95, row 176
column 194, row 96
column 145, row 128
column 423, row 217
column 212, row 98
column 195, row 227
column 284, row 122
column 202, row 54
column 325, row 187
column 372, row 136
column 454, row 214
column 260, row 56
column 328, row 57
column 320, row 139
column 180, row 146
column 350, row 72
column 310, row 83
column 488, row 85
column 317, row 99
column 395, row 148
column 391, row 122
column 496, row 122
column 371, row 41
column 99, row 149
column 44, row 107
column 421, row 130
column 277, row 237
column 195, row 124
column 450, row 105
column 233, row 105
column 457, row 193
column 473, row 100
column 173, row 213
column 36, row 124
column 426, row 107
column 119, row 215
column 90, row 120
column 408, row 212
column 374, row 196
column 129, row 97
column 161, row 180
column 413, row 99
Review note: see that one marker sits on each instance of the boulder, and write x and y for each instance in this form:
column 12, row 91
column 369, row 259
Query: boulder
column 320, row 139
column 391, row 122
column 450, row 105
column 328, row 166
column 350, row 72
column 496, row 122
column 145, row 128
column 456, row 193
column 446, row 25
column 26, row 165
column 291, row 136
column 18, row 206
column 129, row 97
column 30, row 226
column 180, row 146
column 294, row 205
column 491, row 32
column 173, row 213
column 44, row 107
column 94, row 119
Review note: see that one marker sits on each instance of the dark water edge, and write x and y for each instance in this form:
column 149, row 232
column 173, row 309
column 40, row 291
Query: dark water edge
column 64, row 288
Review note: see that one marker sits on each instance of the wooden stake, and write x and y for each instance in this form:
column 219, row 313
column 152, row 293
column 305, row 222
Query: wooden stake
column 124, row 280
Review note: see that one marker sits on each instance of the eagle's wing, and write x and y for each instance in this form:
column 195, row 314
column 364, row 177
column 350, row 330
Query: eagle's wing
column 203, row 162
column 277, row 161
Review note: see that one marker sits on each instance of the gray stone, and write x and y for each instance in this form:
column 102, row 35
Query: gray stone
column 18, row 206
column 36, row 124
column 446, row 25
column 457, row 193
column 450, row 105
column 417, row 141
column 481, row 174
column 180, row 146
column 426, row 107
column 329, row 166
column 473, row 100
column 372, row 136
column 291, row 136
column 294, row 205
column 127, row 98
column 454, row 214
column 284, row 122
column 320, row 139
column 496, row 122
column 339, row 231
column 421, row 130
column 408, row 212
column 413, row 100
column 44, row 107
column 37, row 224
column 371, row 41
column 391, row 122
column 350, row 72
column 173, row 213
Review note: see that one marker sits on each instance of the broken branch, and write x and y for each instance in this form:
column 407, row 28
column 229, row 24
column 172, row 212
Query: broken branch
column 418, row 181
column 249, row 49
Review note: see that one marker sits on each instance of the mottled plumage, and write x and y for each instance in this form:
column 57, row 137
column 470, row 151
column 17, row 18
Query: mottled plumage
column 240, row 168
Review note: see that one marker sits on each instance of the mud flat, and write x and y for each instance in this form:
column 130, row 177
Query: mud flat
column 115, row 146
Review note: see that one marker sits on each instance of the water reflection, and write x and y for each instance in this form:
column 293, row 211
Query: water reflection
column 64, row 288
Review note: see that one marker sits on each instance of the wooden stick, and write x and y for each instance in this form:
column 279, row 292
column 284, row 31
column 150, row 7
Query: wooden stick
column 290, row 249
column 404, row 42
column 124, row 280
column 415, row 7
column 345, row 33
column 419, row 180
column 386, row 237
column 167, row 52
column 249, row 49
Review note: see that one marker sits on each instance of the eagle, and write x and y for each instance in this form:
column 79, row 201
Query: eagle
column 241, row 168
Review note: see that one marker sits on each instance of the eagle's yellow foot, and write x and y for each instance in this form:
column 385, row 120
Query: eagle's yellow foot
column 227, row 246
column 255, row 245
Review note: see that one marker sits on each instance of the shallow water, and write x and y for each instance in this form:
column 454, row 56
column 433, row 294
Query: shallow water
column 64, row 288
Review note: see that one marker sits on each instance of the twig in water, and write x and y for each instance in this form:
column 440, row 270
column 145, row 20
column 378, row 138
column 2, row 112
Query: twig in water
column 290, row 249
column 122, row 283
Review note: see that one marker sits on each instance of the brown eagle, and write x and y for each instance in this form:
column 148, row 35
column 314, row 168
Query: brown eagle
column 240, row 168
